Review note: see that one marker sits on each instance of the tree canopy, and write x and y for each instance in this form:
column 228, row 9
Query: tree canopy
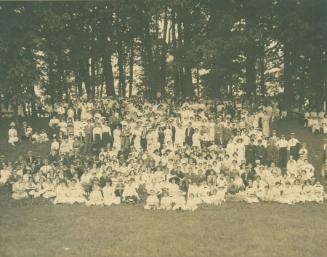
column 177, row 49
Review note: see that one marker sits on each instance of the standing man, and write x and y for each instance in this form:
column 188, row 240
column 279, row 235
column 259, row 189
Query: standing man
column 294, row 146
column 88, row 131
column 189, row 134
column 282, row 144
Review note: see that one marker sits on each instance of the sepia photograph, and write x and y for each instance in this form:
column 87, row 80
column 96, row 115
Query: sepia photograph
column 163, row 128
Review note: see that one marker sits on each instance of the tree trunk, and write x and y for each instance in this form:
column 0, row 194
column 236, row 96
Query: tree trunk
column 262, row 72
column 251, row 86
column 108, row 75
column 288, row 88
column 93, row 82
column 121, row 69
column 187, row 60
column 164, row 55
column 317, row 73
column 131, row 68
column 177, row 81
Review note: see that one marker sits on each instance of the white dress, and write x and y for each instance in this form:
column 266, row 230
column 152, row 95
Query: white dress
column 179, row 136
column 137, row 139
column 117, row 139
column 197, row 140
column 109, row 196
column 13, row 137
column 61, row 195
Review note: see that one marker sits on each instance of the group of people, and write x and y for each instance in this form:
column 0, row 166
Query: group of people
column 316, row 121
column 168, row 156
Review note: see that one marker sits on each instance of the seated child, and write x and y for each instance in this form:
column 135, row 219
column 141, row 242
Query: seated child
column 62, row 193
column 218, row 195
column 318, row 192
column 308, row 192
column 203, row 193
column 276, row 191
column 76, row 192
column 179, row 201
column 265, row 195
column 152, row 201
column 19, row 189
column 43, row 137
column 95, row 197
column 129, row 194
column 251, row 193
column 5, row 174
column 165, row 201
column 192, row 202
column 12, row 134
column 48, row 189
column 35, row 138
column 287, row 195
column 109, row 196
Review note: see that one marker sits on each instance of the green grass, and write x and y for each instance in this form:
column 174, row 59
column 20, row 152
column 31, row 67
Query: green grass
column 36, row 228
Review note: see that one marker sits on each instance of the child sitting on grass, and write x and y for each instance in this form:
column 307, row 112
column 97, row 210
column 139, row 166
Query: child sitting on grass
column 109, row 196
column 152, row 201
column 19, row 189
column 95, row 197
column 129, row 194
column 165, row 201
column 62, row 193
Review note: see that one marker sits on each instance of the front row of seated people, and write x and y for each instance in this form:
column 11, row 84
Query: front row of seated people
column 268, row 185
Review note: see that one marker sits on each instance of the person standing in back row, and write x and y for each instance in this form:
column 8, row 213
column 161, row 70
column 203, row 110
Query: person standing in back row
column 88, row 131
column 189, row 131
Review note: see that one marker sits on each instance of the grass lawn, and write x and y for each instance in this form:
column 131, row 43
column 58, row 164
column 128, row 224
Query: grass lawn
column 36, row 228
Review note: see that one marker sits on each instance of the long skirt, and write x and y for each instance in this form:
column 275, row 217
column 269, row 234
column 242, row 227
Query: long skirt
column 106, row 139
column 97, row 141
column 282, row 157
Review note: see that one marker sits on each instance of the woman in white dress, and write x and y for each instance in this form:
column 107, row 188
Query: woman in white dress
column 62, row 193
column 12, row 134
column 137, row 138
column 117, row 139
column 109, row 196
column 196, row 138
column 180, row 135
column 266, row 125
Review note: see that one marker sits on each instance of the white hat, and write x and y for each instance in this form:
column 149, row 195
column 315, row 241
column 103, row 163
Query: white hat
column 12, row 124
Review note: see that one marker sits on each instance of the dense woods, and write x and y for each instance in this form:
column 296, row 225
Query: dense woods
column 155, row 48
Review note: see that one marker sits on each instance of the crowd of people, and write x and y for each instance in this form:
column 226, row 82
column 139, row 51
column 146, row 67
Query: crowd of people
column 167, row 156
column 316, row 121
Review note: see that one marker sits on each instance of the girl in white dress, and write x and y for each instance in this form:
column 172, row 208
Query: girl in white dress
column 48, row 189
column 251, row 193
column 76, row 192
column 109, row 196
column 19, row 190
column 180, row 135
column 12, row 134
column 165, row 202
column 62, row 193
column 192, row 202
column 95, row 197
column 152, row 201
column 196, row 138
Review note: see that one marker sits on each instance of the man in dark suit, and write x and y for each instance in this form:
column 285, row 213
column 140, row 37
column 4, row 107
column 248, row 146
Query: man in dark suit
column 30, row 159
column 189, row 131
column 143, row 138
column 260, row 153
column 248, row 175
column 88, row 130
column 250, row 151
column 172, row 128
